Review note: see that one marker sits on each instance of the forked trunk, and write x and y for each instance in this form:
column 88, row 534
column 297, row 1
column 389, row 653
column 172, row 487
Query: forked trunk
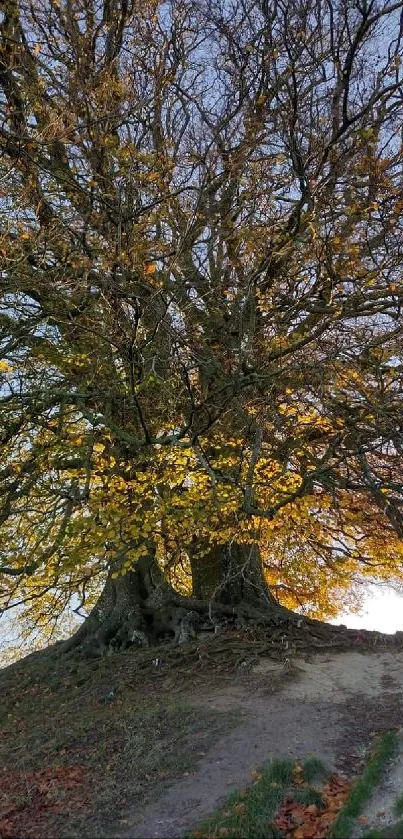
column 142, row 609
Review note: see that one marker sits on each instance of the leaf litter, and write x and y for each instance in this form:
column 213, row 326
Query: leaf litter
column 298, row 821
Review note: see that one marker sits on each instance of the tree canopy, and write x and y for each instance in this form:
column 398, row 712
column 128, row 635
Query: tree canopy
column 200, row 319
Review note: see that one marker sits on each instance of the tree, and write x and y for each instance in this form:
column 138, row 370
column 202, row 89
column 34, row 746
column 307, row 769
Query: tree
column 201, row 305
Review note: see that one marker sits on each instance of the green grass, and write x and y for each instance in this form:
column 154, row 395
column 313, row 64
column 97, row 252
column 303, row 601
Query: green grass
column 249, row 813
column 363, row 787
column 307, row 796
column 313, row 770
column 280, row 772
column 399, row 805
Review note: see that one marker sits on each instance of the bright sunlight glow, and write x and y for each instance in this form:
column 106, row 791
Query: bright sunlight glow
column 382, row 610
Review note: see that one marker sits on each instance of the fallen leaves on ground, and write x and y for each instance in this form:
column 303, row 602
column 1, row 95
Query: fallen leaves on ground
column 27, row 797
column 300, row 821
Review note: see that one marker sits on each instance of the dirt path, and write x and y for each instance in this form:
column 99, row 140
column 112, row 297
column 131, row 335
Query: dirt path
column 329, row 706
column 380, row 809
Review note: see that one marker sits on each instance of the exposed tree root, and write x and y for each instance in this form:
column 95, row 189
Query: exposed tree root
column 142, row 610
column 175, row 621
column 191, row 633
column 231, row 650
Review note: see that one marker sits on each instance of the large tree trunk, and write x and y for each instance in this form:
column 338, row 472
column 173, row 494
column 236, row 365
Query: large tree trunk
column 138, row 608
column 142, row 609
column 230, row 574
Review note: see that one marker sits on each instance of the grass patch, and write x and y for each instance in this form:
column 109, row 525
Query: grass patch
column 156, row 741
column 249, row 813
column 283, row 799
column 308, row 796
column 362, row 789
column 313, row 769
column 63, row 716
column 398, row 808
column 279, row 772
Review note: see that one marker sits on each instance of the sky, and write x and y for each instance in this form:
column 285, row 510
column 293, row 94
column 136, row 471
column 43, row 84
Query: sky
column 382, row 610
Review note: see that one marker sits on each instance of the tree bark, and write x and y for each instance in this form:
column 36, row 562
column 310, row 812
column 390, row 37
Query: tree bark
column 230, row 574
column 138, row 608
column 142, row 609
